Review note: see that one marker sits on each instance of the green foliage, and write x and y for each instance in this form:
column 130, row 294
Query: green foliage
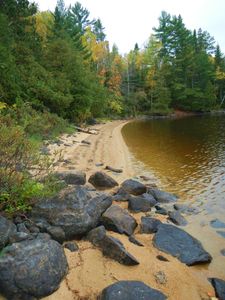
column 20, row 167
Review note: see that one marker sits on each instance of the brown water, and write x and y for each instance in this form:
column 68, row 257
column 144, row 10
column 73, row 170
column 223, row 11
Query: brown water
column 186, row 156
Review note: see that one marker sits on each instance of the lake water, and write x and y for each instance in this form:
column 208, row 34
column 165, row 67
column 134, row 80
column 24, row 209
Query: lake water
column 186, row 156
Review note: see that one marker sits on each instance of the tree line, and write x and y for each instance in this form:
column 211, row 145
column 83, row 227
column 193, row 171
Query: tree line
column 62, row 62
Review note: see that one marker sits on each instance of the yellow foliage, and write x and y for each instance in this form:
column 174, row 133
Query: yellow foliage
column 2, row 105
column 44, row 23
column 220, row 75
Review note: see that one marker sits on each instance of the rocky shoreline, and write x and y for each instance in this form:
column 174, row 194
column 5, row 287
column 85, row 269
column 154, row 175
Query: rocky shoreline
column 32, row 258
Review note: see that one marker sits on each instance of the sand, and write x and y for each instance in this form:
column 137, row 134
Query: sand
column 89, row 270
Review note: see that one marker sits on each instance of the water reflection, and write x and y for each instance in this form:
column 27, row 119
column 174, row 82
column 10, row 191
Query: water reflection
column 187, row 155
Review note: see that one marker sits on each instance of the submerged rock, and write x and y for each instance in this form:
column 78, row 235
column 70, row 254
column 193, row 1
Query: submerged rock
column 75, row 210
column 180, row 244
column 162, row 196
column 219, row 286
column 119, row 220
column 217, row 223
column 100, row 180
column 32, row 269
column 134, row 187
column 177, row 218
column 7, row 228
column 111, row 246
column 130, row 290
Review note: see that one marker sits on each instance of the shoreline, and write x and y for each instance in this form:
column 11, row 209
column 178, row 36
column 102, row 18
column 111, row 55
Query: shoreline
column 89, row 270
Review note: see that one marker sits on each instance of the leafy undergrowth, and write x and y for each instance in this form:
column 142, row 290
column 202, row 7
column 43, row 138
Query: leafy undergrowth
column 22, row 167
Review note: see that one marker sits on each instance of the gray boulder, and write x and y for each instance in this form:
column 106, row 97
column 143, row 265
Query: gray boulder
column 161, row 210
column 219, row 286
column 100, row 180
column 18, row 237
column 177, row 218
column 130, row 290
column 75, row 210
column 119, row 220
column 32, row 269
column 134, row 187
column 162, row 196
column 72, row 246
column 149, row 225
column 121, row 195
column 140, row 203
column 56, row 233
column 180, row 244
column 7, row 228
column 111, row 246
column 72, row 177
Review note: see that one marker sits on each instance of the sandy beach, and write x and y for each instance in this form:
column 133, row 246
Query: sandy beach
column 89, row 270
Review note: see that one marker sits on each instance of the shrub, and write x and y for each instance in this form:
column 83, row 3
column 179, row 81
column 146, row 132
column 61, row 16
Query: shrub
column 20, row 167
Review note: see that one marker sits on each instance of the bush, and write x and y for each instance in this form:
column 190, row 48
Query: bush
column 20, row 168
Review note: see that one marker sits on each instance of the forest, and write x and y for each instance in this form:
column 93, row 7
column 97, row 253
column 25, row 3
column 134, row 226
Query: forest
column 62, row 63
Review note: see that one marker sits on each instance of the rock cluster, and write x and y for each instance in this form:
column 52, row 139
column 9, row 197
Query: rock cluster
column 32, row 259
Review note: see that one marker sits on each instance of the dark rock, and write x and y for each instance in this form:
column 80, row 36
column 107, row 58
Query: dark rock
column 177, row 218
column 186, row 209
column 161, row 196
column 219, row 286
column 222, row 233
column 162, row 258
column 133, row 240
column 119, row 220
column 7, row 228
column 75, row 210
column 42, row 224
column 217, row 223
column 121, row 195
column 86, row 142
column 150, row 198
column 180, row 244
column 130, row 290
column 111, row 246
column 134, row 187
column 22, row 228
column 18, row 237
column 17, row 220
column 161, row 210
column 31, row 269
column 56, row 233
column 140, row 204
column 100, row 180
column 222, row 251
column 34, row 229
column 72, row 177
column 149, row 225
column 72, row 246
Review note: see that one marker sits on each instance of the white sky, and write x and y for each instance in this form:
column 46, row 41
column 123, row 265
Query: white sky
column 129, row 21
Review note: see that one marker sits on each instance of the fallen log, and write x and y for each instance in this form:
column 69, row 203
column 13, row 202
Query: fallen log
column 113, row 169
column 89, row 131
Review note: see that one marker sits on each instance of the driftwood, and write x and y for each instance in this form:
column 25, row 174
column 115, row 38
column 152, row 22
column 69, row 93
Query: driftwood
column 113, row 169
column 89, row 131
